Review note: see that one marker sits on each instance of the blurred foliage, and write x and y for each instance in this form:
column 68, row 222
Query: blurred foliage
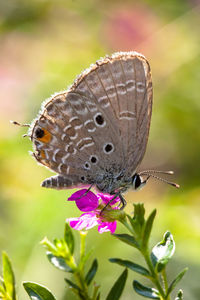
column 44, row 44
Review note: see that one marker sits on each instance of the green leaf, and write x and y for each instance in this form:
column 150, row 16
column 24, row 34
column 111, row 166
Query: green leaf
column 145, row 291
column 148, row 228
column 48, row 245
column 163, row 251
column 73, row 285
column 91, row 273
column 37, row 291
column 2, row 290
column 176, row 281
column 69, row 238
column 8, row 277
column 138, row 220
column 129, row 264
column 98, row 296
column 132, row 222
column 61, row 248
column 76, row 289
column 118, row 287
column 58, row 262
column 128, row 239
column 84, row 259
column 180, row 295
column 139, row 212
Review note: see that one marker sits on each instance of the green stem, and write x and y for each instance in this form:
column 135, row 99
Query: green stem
column 96, row 288
column 79, row 277
column 83, row 235
column 154, row 278
column 145, row 252
column 79, row 270
column 80, row 273
column 82, row 285
column 125, row 223
column 164, row 277
column 71, row 263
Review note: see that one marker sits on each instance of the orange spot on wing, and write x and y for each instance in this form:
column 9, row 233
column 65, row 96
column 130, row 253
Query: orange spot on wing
column 42, row 154
column 46, row 137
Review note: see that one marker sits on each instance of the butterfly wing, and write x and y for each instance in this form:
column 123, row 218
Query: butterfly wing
column 135, row 113
column 92, row 128
column 72, row 132
column 130, row 75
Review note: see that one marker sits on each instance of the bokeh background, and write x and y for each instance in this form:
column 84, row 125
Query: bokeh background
column 44, row 44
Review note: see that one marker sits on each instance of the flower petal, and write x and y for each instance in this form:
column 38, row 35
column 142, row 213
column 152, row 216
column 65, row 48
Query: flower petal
column 107, row 226
column 107, row 197
column 87, row 221
column 85, row 200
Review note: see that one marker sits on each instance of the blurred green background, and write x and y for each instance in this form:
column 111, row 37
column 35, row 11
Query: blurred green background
column 44, row 44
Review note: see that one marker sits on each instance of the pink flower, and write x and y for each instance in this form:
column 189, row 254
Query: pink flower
column 92, row 205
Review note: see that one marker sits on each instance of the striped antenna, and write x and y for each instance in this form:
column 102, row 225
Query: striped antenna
column 19, row 124
column 150, row 173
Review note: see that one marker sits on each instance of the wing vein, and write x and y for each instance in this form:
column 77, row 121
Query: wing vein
column 127, row 105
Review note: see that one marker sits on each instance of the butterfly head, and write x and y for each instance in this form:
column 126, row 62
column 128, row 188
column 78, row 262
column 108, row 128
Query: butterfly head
column 138, row 182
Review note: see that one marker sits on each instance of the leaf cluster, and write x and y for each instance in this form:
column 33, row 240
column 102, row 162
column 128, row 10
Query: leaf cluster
column 156, row 259
column 7, row 282
column 60, row 253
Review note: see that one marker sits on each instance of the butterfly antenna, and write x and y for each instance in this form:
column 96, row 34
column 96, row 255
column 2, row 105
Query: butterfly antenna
column 166, row 181
column 19, row 124
column 26, row 135
column 147, row 172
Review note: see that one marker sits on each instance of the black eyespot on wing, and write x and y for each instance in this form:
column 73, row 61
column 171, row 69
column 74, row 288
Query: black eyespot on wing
column 87, row 166
column 99, row 119
column 108, row 148
column 39, row 133
column 82, row 178
column 93, row 159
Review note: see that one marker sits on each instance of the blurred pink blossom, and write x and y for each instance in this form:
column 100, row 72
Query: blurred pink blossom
column 126, row 28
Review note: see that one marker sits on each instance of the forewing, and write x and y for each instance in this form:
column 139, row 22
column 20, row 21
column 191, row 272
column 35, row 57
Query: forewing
column 127, row 77
column 143, row 108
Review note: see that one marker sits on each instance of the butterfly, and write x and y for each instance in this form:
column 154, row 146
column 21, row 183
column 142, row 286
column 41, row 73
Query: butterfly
column 96, row 132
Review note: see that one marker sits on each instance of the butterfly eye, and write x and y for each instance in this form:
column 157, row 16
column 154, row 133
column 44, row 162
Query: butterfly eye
column 136, row 181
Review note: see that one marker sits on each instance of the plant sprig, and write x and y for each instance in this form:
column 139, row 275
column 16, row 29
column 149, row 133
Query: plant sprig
column 61, row 254
column 156, row 259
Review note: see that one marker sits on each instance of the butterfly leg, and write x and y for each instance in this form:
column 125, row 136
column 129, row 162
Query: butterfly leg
column 85, row 192
column 115, row 196
column 122, row 201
